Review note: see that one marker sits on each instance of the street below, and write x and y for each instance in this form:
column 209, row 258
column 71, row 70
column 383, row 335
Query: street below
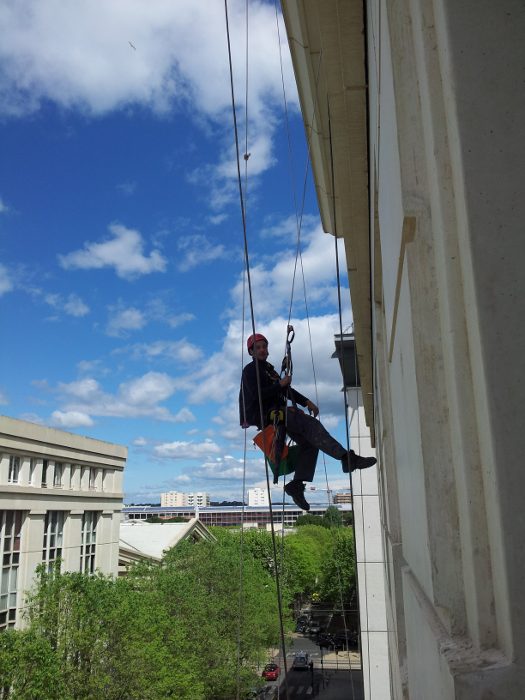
column 333, row 675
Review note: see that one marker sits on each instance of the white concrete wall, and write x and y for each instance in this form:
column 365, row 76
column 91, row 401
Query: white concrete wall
column 447, row 108
column 370, row 559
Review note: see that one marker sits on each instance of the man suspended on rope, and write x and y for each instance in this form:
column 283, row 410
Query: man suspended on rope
column 309, row 434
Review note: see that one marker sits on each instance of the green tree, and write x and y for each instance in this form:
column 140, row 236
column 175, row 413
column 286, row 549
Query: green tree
column 29, row 668
column 332, row 517
column 111, row 638
column 308, row 519
column 337, row 580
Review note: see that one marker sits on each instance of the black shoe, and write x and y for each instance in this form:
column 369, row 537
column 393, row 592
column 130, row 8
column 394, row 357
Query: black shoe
column 295, row 489
column 350, row 462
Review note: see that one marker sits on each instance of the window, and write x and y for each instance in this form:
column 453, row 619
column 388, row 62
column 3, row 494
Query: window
column 89, row 536
column 45, row 465
column 53, row 536
column 92, row 475
column 14, row 468
column 10, row 533
column 57, row 479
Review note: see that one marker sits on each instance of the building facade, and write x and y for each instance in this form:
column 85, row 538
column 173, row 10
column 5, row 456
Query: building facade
column 345, row 497
column 227, row 516
column 414, row 113
column 172, row 499
column 60, row 498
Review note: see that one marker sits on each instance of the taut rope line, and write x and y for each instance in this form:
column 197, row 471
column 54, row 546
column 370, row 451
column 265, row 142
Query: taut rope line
column 246, row 257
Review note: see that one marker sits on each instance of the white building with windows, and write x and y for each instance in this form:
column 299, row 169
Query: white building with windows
column 258, row 497
column 60, row 498
column 172, row 499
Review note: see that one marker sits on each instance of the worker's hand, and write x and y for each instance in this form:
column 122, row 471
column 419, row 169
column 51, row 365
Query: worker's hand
column 312, row 408
column 286, row 381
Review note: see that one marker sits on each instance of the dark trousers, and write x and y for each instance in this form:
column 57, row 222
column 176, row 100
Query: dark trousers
column 310, row 436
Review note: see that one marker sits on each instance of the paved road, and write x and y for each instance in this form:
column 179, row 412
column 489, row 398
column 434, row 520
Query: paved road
column 335, row 676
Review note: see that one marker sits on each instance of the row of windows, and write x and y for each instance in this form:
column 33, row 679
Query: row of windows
column 57, row 480
column 226, row 519
column 10, row 536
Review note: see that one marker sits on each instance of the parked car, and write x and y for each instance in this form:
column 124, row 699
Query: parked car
column 325, row 640
column 301, row 627
column 301, row 661
column 345, row 640
column 271, row 672
column 314, row 629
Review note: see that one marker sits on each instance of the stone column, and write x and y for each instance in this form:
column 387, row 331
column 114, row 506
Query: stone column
column 23, row 475
column 4, row 468
column 30, row 557
column 75, row 477
column 72, row 541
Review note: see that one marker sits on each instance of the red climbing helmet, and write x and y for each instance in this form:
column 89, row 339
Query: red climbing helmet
column 253, row 339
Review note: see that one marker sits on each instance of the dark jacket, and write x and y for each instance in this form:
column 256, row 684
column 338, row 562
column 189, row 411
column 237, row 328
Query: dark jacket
column 272, row 394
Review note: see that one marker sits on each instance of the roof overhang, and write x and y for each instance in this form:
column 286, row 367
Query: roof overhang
column 328, row 46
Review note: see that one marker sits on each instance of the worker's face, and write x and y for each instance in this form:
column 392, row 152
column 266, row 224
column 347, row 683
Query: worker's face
column 260, row 350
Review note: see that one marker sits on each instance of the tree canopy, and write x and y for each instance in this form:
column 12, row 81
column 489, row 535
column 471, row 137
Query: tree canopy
column 192, row 628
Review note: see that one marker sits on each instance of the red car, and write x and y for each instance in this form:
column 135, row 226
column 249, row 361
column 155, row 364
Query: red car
column 271, row 672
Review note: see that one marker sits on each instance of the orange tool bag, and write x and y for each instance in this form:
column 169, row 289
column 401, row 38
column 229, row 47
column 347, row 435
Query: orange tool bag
column 267, row 441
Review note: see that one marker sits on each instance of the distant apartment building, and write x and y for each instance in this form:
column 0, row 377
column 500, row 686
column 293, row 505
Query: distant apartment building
column 258, row 497
column 60, row 499
column 200, row 499
column 343, row 497
column 171, row 499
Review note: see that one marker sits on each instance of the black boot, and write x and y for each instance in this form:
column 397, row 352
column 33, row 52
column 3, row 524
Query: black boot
column 295, row 489
column 350, row 462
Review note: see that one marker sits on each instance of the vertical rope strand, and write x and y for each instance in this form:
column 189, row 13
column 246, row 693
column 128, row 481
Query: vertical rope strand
column 246, row 256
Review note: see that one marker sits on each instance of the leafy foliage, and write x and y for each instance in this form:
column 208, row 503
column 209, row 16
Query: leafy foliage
column 192, row 628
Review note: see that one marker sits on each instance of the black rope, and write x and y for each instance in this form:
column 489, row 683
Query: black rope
column 246, row 257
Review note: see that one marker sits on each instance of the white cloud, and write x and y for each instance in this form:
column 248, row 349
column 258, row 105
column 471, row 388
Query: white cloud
column 123, row 252
column 287, row 228
column 127, row 188
column 97, row 69
column 3, row 398
column 177, row 320
column 137, row 397
column 187, row 450
column 97, row 58
column 3, row 207
column 197, row 250
column 184, row 416
column 230, row 469
column 121, row 321
column 70, row 419
column 180, row 351
column 71, row 305
column 273, row 280
column 217, row 219
column 140, row 442
column 6, row 282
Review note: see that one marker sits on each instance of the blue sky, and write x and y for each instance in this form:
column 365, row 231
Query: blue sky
column 121, row 247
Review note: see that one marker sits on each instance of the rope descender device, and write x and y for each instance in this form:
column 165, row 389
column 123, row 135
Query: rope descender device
column 287, row 364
